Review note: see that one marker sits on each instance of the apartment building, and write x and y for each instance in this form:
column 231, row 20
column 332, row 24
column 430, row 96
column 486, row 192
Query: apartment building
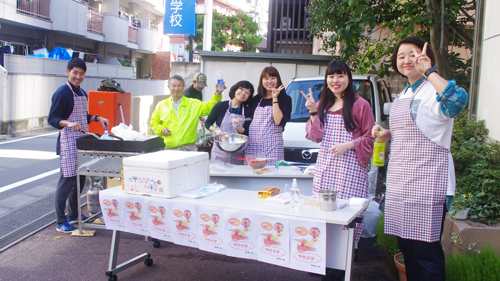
column 101, row 31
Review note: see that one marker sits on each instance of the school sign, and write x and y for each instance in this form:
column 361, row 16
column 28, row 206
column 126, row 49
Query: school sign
column 180, row 17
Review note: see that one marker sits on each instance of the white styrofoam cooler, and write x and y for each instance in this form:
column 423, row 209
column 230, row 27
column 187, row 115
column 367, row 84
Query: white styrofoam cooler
column 165, row 173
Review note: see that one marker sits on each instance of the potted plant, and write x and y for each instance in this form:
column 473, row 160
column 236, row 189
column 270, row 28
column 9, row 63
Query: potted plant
column 390, row 245
column 459, row 208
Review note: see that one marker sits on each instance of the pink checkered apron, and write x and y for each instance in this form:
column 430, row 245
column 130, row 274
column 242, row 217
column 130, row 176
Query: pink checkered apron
column 266, row 138
column 340, row 172
column 417, row 178
column 227, row 127
column 69, row 162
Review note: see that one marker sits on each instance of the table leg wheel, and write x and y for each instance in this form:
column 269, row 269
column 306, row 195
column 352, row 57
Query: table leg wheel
column 148, row 262
column 156, row 243
column 113, row 278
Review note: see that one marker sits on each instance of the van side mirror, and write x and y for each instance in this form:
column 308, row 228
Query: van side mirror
column 387, row 108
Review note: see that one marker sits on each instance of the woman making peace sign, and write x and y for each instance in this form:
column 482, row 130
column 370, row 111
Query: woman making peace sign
column 342, row 122
column 421, row 171
column 272, row 108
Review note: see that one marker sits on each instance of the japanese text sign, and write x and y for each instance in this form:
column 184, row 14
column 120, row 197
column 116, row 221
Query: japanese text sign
column 180, row 17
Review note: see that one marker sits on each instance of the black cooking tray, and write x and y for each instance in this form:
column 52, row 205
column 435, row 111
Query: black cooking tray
column 91, row 143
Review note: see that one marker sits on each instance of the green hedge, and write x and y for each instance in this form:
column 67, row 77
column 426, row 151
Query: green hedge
column 477, row 168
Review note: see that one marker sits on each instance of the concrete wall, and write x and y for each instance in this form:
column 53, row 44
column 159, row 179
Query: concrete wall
column 16, row 64
column 69, row 16
column 115, row 29
column 488, row 93
column 146, row 39
column 141, row 109
column 187, row 70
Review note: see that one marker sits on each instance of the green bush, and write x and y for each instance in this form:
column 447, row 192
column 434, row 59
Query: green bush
column 478, row 267
column 388, row 242
column 477, row 168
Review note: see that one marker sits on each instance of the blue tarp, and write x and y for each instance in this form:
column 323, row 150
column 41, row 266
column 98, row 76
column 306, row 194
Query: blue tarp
column 59, row 54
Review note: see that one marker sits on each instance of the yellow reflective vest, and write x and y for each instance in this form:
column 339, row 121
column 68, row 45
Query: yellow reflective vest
column 183, row 127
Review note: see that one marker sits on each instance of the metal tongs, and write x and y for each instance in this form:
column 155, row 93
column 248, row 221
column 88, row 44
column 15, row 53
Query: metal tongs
column 108, row 136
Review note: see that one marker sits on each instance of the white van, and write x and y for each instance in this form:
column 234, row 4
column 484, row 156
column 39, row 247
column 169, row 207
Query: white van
column 300, row 149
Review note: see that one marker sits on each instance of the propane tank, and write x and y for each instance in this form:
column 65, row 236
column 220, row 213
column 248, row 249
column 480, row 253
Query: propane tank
column 93, row 197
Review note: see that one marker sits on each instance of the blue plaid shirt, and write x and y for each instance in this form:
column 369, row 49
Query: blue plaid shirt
column 453, row 98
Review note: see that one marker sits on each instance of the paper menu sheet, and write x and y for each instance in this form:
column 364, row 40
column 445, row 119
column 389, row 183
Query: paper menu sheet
column 185, row 224
column 308, row 245
column 273, row 240
column 160, row 219
column 211, row 225
column 242, row 232
column 112, row 207
column 136, row 216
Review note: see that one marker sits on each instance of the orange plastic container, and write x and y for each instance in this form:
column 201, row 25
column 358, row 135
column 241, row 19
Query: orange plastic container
column 107, row 105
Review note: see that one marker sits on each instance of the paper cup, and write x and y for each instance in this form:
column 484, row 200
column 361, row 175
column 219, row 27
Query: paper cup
column 328, row 200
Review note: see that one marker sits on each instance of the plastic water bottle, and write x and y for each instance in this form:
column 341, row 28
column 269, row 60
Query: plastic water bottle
column 220, row 81
column 295, row 195
column 378, row 158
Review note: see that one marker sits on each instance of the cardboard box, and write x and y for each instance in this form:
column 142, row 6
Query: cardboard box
column 268, row 191
column 165, row 173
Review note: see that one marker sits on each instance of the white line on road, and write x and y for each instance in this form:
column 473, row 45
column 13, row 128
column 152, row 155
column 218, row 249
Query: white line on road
column 19, row 183
column 27, row 154
column 28, row 138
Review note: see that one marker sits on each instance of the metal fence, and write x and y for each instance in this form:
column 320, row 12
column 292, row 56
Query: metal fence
column 94, row 20
column 38, row 8
column 288, row 31
column 132, row 34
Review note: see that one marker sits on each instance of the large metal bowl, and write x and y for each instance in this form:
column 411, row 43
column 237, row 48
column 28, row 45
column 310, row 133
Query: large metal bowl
column 231, row 142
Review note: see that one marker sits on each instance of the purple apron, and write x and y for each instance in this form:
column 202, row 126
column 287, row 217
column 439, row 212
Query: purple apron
column 417, row 178
column 266, row 138
column 227, row 127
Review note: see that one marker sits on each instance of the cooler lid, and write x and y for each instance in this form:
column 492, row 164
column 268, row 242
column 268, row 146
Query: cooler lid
column 165, row 159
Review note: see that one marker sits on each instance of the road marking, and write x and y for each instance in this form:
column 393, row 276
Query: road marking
column 27, row 154
column 28, row 138
column 19, row 183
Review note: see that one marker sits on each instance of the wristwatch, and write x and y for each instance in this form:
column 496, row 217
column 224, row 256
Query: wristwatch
column 430, row 70
column 96, row 116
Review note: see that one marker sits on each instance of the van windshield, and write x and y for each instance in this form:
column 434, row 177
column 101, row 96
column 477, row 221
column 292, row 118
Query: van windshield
column 300, row 113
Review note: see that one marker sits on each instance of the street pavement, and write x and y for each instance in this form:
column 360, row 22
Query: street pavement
column 52, row 255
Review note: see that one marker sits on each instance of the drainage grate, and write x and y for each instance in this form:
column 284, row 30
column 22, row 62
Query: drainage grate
column 26, row 231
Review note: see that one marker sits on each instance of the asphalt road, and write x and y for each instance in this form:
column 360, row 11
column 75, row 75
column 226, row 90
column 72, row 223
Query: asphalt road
column 29, row 171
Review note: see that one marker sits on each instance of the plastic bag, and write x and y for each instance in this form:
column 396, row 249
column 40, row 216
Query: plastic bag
column 59, row 53
column 371, row 216
column 125, row 132
column 203, row 191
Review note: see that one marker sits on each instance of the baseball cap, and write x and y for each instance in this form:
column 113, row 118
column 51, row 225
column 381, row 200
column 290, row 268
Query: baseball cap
column 201, row 79
column 110, row 85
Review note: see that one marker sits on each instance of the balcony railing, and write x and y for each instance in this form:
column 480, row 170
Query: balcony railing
column 132, row 34
column 38, row 8
column 94, row 20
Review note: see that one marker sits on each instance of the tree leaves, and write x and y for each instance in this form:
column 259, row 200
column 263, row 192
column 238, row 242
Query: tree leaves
column 238, row 30
column 342, row 23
